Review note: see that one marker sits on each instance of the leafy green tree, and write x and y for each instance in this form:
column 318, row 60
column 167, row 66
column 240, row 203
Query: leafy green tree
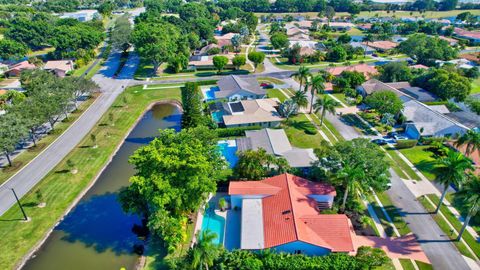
column 300, row 98
column 445, row 84
column 34, row 32
column 471, row 139
column 157, row 42
column 426, row 49
column 344, row 38
column 220, row 62
column 174, row 175
column 316, row 87
column 106, row 8
column 236, row 41
column 470, row 195
column 301, row 75
column 473, row 104
column 279, row 40
column 192, row 105
column 121, row 33
column 238, row 61
column 329, row 13
column 395, row 72
column 178, row 62
column 70, row 39
column 385, row 102
column 337, row 54
column 353, row 78
column 451, row 170
column 325, row 104
column 11, row 49
column 256, row 57
column 258, row 164
column 12, row 130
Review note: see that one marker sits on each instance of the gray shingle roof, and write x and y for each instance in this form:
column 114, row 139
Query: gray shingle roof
column 233, row 84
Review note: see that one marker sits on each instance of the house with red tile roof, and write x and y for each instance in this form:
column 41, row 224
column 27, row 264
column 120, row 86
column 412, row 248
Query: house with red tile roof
column 16, row 69
column 284, row 213
column 382, row 45
column 366, row 70
column 225, row 40
column 472, row 36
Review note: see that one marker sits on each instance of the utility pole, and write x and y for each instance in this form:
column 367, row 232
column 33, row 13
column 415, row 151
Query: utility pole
column 19, row 204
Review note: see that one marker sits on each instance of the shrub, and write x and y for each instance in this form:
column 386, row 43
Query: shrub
column 402, row 144
column 310, row 130
column 213, row 51
column 235, row 132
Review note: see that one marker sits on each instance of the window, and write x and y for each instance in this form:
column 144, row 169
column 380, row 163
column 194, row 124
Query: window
column 298, row 251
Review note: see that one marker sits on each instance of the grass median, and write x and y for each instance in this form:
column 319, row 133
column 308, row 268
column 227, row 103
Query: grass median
column 60, row 188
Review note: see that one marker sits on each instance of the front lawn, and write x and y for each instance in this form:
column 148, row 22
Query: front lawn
column 61, row 189
column 475, row 86
column 356, row 123
column 275, row 93
column 422, row 158
column 399, row 163
column 300, row 131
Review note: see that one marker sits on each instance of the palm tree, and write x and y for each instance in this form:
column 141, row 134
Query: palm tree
column 300, row 99
column 325, row 104
column 316, row 87
column 451, row 170
column 470, row 195
column 367, row 38
column 302, row 75
column 204, row 252
column 472, row 141
column 349, row 176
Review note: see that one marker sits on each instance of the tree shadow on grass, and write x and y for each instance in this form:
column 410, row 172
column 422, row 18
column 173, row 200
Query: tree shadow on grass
column 353, row 121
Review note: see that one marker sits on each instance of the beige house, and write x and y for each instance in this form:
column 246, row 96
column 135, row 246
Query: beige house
column 59, row 67
column 262, row 112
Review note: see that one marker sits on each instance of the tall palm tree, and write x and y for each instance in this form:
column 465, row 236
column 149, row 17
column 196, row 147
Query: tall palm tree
column 325, row 104
column 348, row 177
column 367, row 38
column 302, row 75
column 471, row 140
column 300, row 99
column 204, row 252
column 451, row 170
column 316, row 87
column 470, row 195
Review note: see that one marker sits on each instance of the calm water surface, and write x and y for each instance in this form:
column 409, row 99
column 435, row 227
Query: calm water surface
column 97, row 234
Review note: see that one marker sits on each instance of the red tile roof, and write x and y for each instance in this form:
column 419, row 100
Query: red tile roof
column 382, row 44
column 289, row 214
column 367, row 70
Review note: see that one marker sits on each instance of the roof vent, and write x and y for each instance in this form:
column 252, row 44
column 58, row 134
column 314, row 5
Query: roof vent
column 286, row 212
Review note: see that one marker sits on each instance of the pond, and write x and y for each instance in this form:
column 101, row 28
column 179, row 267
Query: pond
column 97, row 234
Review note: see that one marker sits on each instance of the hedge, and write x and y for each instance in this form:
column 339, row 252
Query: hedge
column 235, row 131
column 402, row 144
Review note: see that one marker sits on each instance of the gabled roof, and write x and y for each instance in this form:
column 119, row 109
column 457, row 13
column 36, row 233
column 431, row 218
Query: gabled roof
column 254, row 111
column 22, row 65
column 290, row 214
column 362, row 68
column 63, row 65
column 233, row 84
column 383, row 44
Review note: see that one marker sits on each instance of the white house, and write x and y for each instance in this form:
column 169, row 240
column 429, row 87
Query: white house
column 82, row 15
column 283, row 213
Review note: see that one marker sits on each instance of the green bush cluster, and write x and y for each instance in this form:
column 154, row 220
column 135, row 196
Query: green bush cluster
column 402, row 144
column 235, row 132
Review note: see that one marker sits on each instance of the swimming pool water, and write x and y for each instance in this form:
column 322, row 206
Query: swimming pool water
column 217, row 116
column 229, row 150
column 210, row 93
column 215, row 224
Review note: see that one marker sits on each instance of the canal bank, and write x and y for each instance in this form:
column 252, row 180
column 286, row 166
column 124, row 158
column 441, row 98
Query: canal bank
column 96, row 234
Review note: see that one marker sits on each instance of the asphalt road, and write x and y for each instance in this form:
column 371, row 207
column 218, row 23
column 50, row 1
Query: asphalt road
column 39, row 167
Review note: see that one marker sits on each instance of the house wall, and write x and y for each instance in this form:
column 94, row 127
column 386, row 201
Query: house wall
column 303, row 248
column 236, row 200
column 412, row 131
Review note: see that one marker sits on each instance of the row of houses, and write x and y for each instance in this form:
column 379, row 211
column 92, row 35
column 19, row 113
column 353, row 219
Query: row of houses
column 59, row 67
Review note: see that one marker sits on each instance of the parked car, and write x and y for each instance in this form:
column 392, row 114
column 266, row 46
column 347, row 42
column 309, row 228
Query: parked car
column 392, row 134
column 379, row 141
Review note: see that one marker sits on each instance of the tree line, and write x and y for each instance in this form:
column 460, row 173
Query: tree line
column 46, row 99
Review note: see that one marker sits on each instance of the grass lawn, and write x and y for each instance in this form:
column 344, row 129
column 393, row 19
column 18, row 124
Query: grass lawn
column 341, row 97
column 394, row 214
column 445, row 228
column 422, row 158
column 407, row 264
column 297, row 128
column 60, row 189
column 460, row 206
column 469, row 239
column 22, row 159
column 400, row 163
column 41, row 52
column 94, row 70
column 424, row 266
column 475, row 86
column 275, row 93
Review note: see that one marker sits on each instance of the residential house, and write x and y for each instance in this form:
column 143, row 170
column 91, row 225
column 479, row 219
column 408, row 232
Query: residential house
column 59, row 67
column 367, row 49
column 399, row 88
column 294, row 31
column 419, row 66
column 458, row 63
column 204, row 50
column 364, row 26
column 472, row 36
column 366, row 70
column 423, row 121
column 262, row 112
column 15, row 70
column 82, row 15
column 300, row 24
column 473, row 57
column 202, row 62
column 275, row 142
column 235, row 87
column 383, row 45
column 283, row 213
column 340, row 26
column 225, row 40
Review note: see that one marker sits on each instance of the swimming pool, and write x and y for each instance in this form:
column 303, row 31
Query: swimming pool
column 228, row 148
column 209, row 92
column 217, row 116
column 214, row 223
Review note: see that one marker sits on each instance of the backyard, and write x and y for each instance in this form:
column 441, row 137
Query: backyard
column 60, row 188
